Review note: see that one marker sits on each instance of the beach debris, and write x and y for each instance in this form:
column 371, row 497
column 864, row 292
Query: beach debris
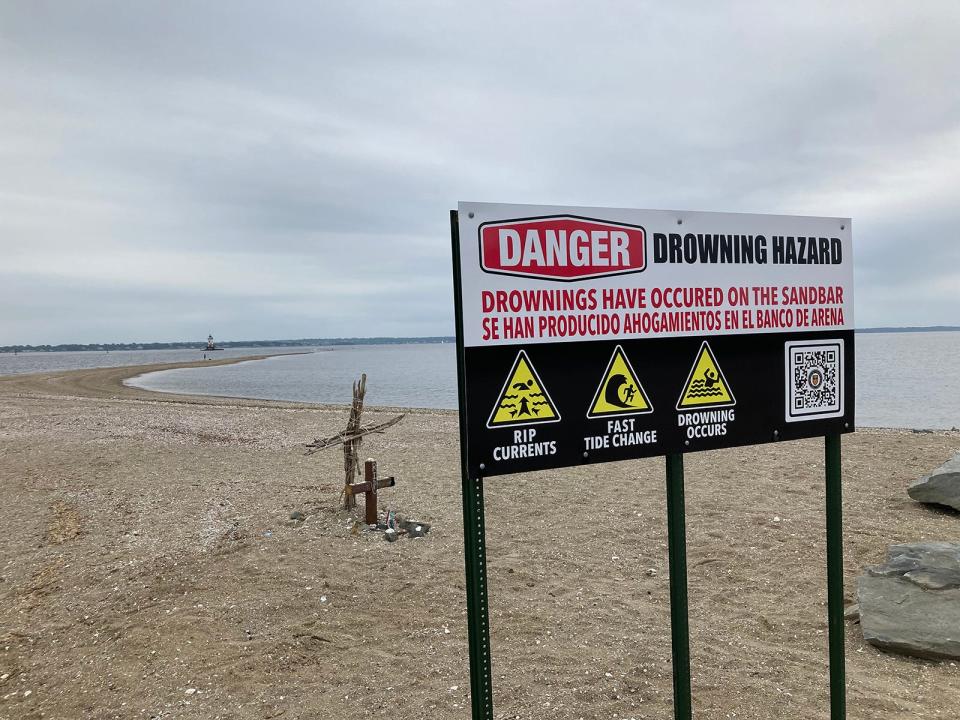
column 399, row 527
column 941, row 487
column 297, row 516
column 911, row 604
column 347, row 436
column 389, row 521
column 415, row 526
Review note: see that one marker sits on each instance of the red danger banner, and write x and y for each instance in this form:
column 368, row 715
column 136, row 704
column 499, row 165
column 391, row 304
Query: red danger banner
column 565, row 248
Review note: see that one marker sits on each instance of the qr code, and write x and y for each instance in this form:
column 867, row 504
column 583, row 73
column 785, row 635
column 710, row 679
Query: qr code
column 814, row 380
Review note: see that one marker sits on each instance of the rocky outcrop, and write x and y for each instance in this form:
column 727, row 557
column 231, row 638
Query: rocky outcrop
column 911, row 604
column 941, row 487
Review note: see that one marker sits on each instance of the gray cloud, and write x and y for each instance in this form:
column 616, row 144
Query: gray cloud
column 286, row 170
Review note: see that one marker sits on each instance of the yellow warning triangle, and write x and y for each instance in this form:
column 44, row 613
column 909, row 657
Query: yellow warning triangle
column 619, row 393
column 524, row 400
column 706, row 386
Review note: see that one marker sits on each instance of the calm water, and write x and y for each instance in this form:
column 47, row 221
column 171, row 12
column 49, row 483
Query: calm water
column 908, row 380
column 400, row 375
column 903, row 379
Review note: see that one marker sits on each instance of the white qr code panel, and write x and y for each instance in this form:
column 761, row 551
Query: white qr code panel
column 814, row 379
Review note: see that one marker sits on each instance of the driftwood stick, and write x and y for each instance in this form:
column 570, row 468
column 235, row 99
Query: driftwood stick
column 351, row 448
column 342, row 437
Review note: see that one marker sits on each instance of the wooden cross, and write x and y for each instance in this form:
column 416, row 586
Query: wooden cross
column 370, row 488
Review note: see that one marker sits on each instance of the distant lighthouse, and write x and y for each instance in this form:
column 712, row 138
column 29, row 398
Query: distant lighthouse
column 210, row 344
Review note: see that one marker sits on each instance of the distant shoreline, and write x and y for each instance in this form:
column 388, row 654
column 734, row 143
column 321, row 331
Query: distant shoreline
column 335, row 342
column 910, row 329
column 109, row 382
column 230, row 345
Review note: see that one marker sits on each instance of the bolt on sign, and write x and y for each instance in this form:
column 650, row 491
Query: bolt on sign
column 595, row 334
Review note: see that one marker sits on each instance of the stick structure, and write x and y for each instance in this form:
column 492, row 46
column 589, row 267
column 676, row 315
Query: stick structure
column 352, row 441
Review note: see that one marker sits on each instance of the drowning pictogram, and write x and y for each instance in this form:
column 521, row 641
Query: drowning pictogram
column 620, row 392
column 706, row 386
column 523, row 400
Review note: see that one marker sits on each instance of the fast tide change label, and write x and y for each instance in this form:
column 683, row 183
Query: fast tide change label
column 597, row 334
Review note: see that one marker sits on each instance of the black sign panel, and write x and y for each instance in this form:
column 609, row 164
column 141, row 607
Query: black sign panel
column 549, row 406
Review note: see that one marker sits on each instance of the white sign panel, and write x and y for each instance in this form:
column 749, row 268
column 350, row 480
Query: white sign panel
column 536, row 274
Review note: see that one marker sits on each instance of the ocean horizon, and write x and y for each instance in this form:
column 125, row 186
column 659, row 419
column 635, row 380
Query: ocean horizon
column 908, row 380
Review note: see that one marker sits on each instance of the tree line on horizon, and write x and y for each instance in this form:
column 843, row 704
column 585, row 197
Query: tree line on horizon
column 202, row 346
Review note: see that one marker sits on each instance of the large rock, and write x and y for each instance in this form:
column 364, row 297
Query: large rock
column 911, row 604
column 941, row 487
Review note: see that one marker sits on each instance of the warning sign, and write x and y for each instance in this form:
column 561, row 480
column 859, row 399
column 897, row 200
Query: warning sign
column 523, row 399
column 620, row 392
column 653, row 332
column 706, row 386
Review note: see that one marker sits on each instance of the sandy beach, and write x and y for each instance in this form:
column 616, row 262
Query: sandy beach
column 149, row 569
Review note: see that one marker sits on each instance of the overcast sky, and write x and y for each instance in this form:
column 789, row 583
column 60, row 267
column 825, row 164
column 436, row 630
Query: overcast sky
column 285, row 169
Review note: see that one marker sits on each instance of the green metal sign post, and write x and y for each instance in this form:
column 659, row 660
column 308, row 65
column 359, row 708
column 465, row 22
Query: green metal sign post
column 679, row 618
column 838, row 694
column 474, row 538
column 478, row 616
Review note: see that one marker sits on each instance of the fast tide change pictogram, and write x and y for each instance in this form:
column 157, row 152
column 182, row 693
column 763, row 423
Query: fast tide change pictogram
column 615, row 334
column 620, row 392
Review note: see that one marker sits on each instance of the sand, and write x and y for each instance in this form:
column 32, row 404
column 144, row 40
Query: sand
column 148, row 569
